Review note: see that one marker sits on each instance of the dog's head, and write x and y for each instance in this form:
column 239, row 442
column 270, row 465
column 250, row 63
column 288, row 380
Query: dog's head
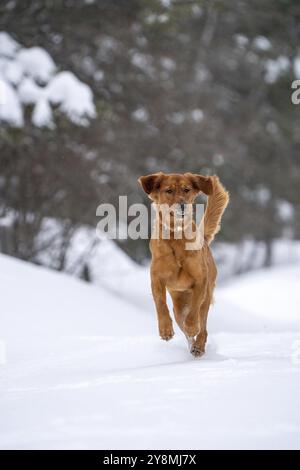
column 175, row 189
column 174, row 195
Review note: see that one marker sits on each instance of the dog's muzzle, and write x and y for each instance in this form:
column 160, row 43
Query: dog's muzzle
column 180, row 211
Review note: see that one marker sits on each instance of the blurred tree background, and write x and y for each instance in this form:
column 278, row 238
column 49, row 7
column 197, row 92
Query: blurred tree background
column 179, row 85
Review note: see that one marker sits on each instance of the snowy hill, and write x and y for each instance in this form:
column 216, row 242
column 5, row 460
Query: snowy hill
column 85, row 367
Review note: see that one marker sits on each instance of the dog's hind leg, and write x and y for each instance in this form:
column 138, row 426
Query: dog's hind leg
column 198, row 346
column 181, row 307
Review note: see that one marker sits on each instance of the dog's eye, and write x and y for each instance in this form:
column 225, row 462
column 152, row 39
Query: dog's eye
column 169, row 191
column 186, row 190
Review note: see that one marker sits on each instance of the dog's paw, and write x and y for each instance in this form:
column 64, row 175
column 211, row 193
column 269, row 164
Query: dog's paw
column 196, row 351
column 166, row 332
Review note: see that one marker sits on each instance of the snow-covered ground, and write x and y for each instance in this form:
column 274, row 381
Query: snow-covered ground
column 85, row 368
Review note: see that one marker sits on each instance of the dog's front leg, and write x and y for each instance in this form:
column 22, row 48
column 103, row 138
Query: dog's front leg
column 165, row 326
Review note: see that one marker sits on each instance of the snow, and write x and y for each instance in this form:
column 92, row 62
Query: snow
column 275, row 68
column 163, row 18
column 42, row 114
column 37, row 63
column 74, row 97
column 218, row 159
column 85, row 367
column 8, row 46
column 102, row 256
column 297, row 67
column 178, row 117
column 142, row 61
column 28, row 77
column 140, row 114
column 262, row 43
column 274, row 309
column 29, row 91
column 197, row 115
column 168, row 63
column 166, row 3
column 10, row 108
column 13, row 72
column 285, row 210
column 241, row 40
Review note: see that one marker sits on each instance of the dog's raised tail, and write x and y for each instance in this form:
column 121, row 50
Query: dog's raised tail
column 218, row 199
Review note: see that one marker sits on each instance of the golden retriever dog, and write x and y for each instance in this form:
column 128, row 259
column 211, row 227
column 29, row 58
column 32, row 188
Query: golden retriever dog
column 181, row 265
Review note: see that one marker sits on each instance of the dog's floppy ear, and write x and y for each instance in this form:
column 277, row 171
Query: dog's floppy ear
column 200, row 183
column 150, row 182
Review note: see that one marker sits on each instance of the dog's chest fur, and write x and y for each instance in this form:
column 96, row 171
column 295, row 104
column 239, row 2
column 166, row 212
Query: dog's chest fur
column 178, row 253
column 175, row 264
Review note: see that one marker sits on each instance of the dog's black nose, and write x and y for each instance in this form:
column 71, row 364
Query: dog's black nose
column 182, row 207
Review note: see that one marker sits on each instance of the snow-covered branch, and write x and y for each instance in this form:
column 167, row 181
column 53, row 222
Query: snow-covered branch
column 29, row 76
